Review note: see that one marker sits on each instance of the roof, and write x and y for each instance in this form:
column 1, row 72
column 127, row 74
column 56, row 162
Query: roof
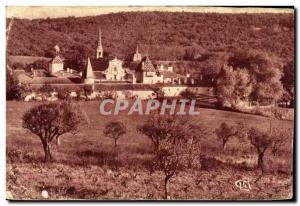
column 132, row 65
column 100, row 64
column 57, row 60
column 148, row 66
column 27, row 59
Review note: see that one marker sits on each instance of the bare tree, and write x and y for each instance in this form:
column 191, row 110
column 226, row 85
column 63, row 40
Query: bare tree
column 225, row 132
column 115, row 130
column 50, row 121
column 170, row 136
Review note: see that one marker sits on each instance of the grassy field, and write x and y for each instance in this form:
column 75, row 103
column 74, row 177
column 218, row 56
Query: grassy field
column 83, row 162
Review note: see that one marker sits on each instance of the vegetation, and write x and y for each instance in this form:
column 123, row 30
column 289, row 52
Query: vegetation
column 158, row 34
column 225, row 132
column 115, row 130
column 263, row 140
column 169, row 143
column 50, row 121
column 188, row 94
column 84, row 169
column 251, row 76
column 13, row 90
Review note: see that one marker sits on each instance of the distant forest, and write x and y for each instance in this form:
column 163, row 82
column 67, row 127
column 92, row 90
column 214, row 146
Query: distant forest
column 161, row 35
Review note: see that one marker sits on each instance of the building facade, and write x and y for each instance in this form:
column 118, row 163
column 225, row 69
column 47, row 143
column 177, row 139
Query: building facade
column 138, row 70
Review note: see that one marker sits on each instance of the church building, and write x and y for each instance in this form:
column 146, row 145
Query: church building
column 138, row 70
column 103, row 69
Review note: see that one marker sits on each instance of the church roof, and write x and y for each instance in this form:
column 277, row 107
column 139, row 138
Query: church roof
column 100, row 64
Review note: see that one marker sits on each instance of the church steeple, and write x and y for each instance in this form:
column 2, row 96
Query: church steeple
column 99, row 47
column 137, row 49
column 137, row 56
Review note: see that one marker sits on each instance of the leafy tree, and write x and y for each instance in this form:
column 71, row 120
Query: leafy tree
column 226, row 85
column 63, row 94
column 265, row 74
column 51, row 121
column 264, row 140
column 225, row 132
column 243, row 86
column 115, row 130
column 288, row 80
column 76, row 58
column 171, row 137
column 13, row 89
column 87, row 90
column 268, row 93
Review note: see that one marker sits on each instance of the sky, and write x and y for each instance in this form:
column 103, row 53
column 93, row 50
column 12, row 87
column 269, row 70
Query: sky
column 34, row 12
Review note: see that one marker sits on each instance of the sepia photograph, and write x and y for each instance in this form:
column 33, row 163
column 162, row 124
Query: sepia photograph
column 150, row 103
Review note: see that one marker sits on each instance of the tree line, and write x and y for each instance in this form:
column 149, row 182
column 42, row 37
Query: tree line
column 161, row 35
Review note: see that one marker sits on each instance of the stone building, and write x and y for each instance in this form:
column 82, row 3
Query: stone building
column 138, row 70
column 102, row 68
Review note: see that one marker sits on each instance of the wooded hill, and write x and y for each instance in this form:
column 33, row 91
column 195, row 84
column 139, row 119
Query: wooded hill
column 162, row 35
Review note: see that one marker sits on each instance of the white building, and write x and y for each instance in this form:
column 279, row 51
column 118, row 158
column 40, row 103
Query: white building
column 56, row 65
column 139, row 70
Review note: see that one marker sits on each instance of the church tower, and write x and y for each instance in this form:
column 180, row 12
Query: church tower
column 137, row 56
column 99, row 47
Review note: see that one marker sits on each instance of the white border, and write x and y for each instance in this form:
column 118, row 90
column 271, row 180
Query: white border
column 4, row 3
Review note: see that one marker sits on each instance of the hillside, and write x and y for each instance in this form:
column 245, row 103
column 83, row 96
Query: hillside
column 162, row 35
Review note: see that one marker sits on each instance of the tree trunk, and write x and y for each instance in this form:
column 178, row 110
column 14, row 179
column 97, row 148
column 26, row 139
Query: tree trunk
column 166, row 187
column 57, row 141
column 223, row 144
column 46, row 147
column 116, row 155
column 116, row 143
column 260, row 161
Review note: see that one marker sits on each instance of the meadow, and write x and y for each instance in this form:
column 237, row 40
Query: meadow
column 83, row 163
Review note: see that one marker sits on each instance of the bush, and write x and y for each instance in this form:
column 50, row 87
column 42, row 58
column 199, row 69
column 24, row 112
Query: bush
column 12, row 90
column 63, row 94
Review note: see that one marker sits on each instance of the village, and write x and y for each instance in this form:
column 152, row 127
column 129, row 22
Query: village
column 106, row 69
column 133, row 78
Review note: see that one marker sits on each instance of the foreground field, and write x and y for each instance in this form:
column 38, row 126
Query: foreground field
column 83, row 166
